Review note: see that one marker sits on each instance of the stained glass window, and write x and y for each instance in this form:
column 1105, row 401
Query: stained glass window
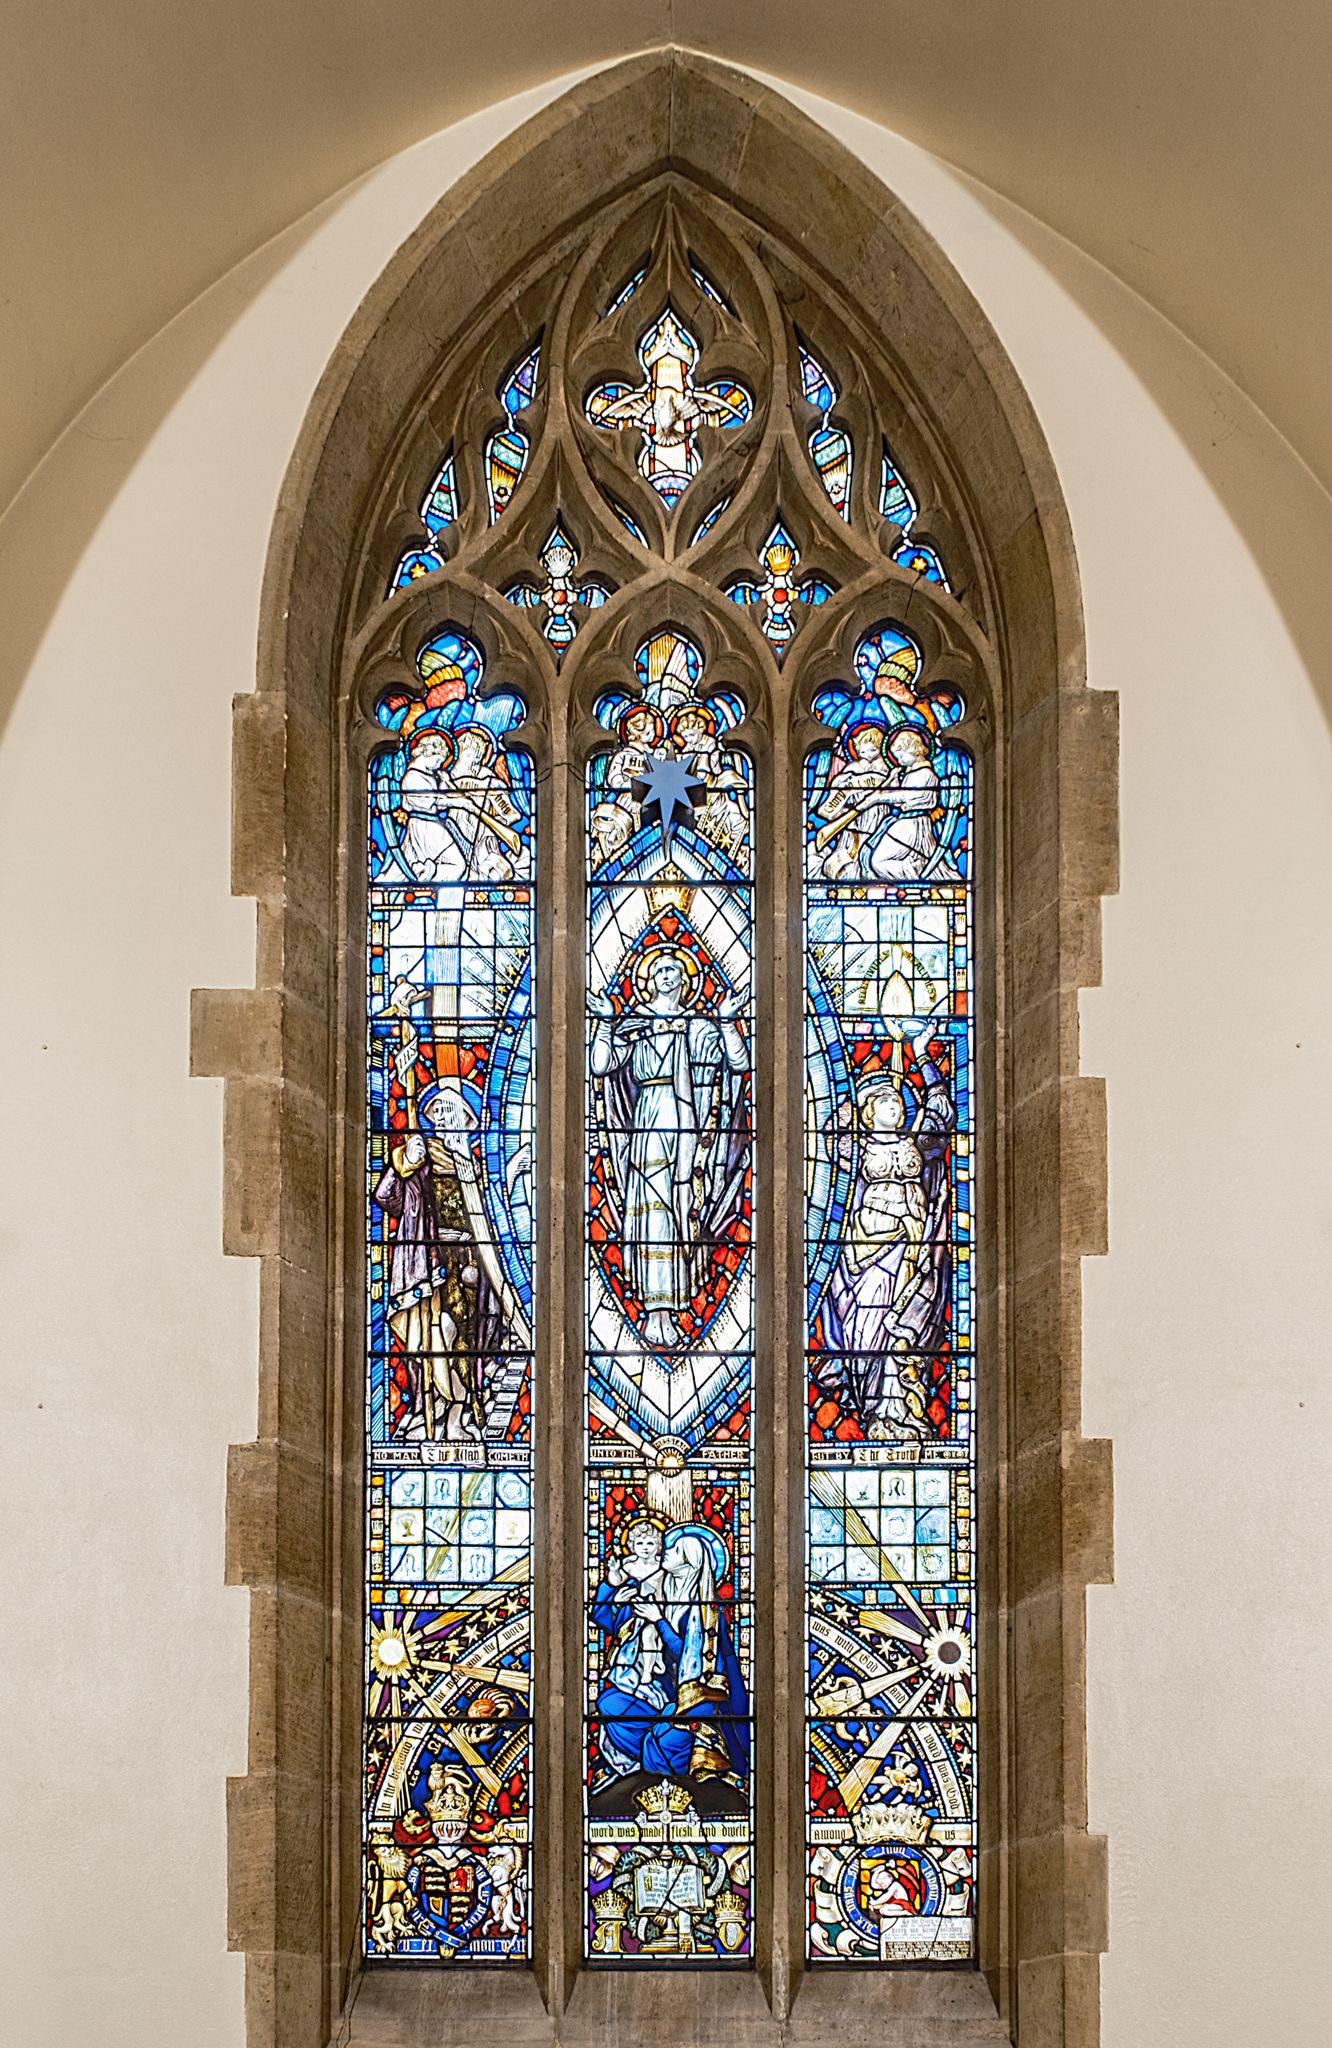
column 889, row 1263
column 507, row 448
column 629, row 287
column 450, row 1194
column 548, row 538
column 709, row 520
column 439, row 510
column 782, row 587
column 897, row 502
column 670, row 1330
column 562, row 595
column 706, row 285
column 627, row 520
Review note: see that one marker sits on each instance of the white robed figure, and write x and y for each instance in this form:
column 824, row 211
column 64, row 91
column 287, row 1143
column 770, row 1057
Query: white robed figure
column 456, row 813
column 670, row 1102
column 889, row 817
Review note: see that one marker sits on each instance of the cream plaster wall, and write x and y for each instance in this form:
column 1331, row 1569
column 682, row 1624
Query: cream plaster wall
column 129, row 584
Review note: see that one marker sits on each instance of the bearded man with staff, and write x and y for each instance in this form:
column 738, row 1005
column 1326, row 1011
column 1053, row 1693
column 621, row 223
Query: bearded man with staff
column 450, row 1305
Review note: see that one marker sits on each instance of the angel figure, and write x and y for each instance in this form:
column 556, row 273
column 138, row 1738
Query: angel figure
column 480, row 779
column 856, row 806
column 885, row 807
column 887, row 1303
column 457, row 818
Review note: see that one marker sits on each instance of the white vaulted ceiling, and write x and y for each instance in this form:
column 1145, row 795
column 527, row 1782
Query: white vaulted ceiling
column 148, row 145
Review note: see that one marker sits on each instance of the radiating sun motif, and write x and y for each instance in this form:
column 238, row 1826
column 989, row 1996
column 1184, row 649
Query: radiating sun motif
column 390, row 1652
column 948, row 1652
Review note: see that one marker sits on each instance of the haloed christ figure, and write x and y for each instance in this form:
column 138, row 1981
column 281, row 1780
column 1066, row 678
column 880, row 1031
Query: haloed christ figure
column 671, row 1090
column 672, row 1702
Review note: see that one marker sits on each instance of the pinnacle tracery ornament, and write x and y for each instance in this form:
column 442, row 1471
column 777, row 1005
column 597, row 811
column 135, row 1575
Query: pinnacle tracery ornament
column 668, row 408
column 560, row 594
column 781, row 588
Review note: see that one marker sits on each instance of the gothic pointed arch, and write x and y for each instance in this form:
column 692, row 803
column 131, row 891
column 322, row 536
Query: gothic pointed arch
column 668, row 435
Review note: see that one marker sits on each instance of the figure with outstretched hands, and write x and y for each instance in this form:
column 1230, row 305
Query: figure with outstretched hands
column 671, row 1081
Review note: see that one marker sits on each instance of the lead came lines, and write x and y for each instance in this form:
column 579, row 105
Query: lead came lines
column 668, row 1786
column 889, row 1558
column 451, row 1322
column 665, row 397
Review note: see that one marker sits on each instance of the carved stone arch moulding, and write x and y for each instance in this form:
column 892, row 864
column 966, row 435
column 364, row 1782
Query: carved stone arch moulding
column 785, row 258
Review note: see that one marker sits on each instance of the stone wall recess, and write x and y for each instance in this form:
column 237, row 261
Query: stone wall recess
column 549, row 216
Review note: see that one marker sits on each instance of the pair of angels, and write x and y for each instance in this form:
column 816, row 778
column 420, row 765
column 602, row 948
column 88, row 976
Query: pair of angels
column 884, row 811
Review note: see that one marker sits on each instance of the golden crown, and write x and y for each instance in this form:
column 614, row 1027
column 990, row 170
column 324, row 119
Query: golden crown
column 880, row 1823
column 451, row 1801
column 661, row 1800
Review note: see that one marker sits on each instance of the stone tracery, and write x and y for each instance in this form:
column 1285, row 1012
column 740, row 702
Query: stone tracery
column 326, row 619
column 728, row 388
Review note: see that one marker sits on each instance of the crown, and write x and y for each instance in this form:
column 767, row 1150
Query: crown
column 674, row 896
column 450, row 1802
column 662, row 1801
column 880, row 1823
column 779, row 557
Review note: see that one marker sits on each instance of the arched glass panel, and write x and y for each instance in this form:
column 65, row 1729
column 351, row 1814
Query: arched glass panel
column 451, row 1302
column 508, row 448
column 830, row 446
column 669, row 1733
column 889, row 1244
column 669, row 465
